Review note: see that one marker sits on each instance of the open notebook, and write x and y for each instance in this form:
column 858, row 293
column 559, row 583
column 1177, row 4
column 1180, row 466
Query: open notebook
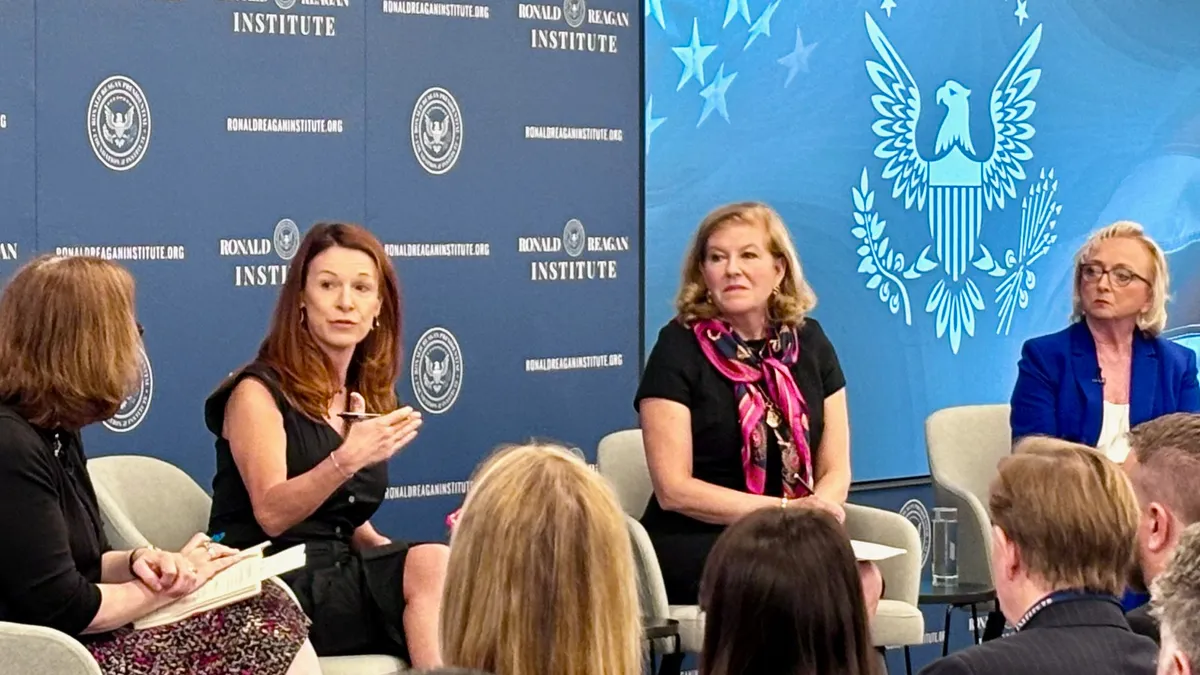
column 865, row 550
column 242, row 580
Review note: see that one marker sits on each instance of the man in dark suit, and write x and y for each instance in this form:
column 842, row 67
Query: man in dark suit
column 1064, row 522
column 1177, row 599
column 1164, row 467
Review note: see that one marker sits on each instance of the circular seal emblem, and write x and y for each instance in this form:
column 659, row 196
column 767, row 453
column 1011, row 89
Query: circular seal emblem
column 285, row 4
column 118, row 123
column 286, row 239
column 437, row 130
column 574, row 12
column 134, row 408
column 916, row 513
column 437, row 370
column 573, row 238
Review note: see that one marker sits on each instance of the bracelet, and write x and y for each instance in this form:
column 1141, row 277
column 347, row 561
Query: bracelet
column 132, row 559
column 345, row 475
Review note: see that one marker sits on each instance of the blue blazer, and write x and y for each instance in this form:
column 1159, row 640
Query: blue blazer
column 1059, row 393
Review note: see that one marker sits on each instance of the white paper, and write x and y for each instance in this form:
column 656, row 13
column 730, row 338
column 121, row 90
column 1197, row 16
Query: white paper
column 866, row 550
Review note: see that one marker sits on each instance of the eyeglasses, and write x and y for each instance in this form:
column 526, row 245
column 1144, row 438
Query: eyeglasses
column 1120, row 276
column 141, row 328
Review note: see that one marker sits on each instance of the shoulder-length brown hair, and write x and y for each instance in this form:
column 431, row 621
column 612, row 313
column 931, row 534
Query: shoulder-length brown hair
column 307, row 376
column 795, row 298
column 781, row 593
column 70, row 352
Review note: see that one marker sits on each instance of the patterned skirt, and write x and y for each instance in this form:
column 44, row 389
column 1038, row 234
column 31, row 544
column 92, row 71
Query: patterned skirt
column 259, row 635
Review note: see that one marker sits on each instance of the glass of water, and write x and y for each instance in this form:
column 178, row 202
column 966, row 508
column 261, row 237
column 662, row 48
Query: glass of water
column 945, row 546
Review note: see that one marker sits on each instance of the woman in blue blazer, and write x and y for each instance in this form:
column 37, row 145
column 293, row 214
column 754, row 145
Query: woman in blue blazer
column 1108, row 370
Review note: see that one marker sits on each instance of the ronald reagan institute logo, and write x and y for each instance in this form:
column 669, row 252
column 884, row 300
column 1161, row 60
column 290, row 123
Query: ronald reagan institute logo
column 437, row 130
column 437, row 370
column 118, row 123
column 134, row 408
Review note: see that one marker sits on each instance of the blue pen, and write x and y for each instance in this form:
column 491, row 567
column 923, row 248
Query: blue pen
column 217, row 538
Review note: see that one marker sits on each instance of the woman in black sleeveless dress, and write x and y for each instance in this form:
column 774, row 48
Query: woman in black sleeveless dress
column 292, row 470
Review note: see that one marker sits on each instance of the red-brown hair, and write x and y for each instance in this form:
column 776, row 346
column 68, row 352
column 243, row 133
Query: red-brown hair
column 307, row 375
column 69, row 345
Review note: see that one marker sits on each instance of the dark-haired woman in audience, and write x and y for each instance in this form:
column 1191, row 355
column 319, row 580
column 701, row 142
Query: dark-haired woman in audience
column 292, row 470
column 743, row 402
column 773, row 607
column 70, row 353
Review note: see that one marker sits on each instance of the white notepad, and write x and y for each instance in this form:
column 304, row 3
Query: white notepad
column 238, row 582
column 866, row 550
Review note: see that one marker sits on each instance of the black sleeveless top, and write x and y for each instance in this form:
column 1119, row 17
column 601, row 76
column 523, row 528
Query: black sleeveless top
column 309, row 442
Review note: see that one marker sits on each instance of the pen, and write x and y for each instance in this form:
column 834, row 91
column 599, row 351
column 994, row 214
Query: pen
column 216, row 539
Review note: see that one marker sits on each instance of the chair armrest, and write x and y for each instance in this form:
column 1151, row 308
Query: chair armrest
column 902, row 574
column 37, row 649
column 652, row 592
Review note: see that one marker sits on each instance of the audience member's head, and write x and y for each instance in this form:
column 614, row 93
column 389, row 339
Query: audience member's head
column 541, row 578
column 782, row 595
column 1176, row 601
column 1063, row 517
column 69, row 342
column 1164, row 466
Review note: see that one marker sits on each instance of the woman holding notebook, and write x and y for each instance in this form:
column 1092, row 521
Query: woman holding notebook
column 294, row 467
column 69, row 355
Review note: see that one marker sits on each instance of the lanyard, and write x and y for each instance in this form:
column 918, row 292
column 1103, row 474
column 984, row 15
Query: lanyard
column 1063, row 596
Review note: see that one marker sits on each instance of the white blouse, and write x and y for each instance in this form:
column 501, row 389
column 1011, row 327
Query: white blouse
column 1114, row 440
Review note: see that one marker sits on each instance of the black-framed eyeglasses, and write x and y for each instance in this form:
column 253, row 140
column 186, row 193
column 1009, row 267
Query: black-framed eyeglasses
column 1120, row 276
column 141, row 328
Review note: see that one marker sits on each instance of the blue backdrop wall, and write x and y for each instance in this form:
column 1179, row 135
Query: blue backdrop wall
column 492, row 146
column 807, row 106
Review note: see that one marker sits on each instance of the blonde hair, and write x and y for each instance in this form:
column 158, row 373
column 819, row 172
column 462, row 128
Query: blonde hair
column 69, row 346
column 795, row 298
column 1070, row 511
column 541, row 573
column 1153, row 320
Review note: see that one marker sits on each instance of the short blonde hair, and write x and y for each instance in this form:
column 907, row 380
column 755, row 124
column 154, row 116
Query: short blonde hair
column 1070, row 511
column 541, row 573
column 1153, row 320
column 795, row 298
column 69, row 346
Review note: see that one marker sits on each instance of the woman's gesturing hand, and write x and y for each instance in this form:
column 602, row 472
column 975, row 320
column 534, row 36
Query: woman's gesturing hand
column 378, row 439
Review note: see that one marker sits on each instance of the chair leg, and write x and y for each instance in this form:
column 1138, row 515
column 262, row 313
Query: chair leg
column 975, row 622
column 671, row 664
column 907, row 661
column 946, row 631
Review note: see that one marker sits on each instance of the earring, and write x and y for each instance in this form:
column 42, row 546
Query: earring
column 303, row 316
column 375, row 324
column 708, row 296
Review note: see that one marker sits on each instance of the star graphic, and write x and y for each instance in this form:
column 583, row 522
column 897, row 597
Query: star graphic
column 762, row 25
column 654, row 9
column 888, row 6
column 798, row 59
column 652, row 122
column 1021, row 12
column 692, row 55
column 714, row 95
column 734, row 8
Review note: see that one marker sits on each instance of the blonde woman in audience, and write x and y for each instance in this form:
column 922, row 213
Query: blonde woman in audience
column 70, row 353
column 775, row 608
column 541, row 577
